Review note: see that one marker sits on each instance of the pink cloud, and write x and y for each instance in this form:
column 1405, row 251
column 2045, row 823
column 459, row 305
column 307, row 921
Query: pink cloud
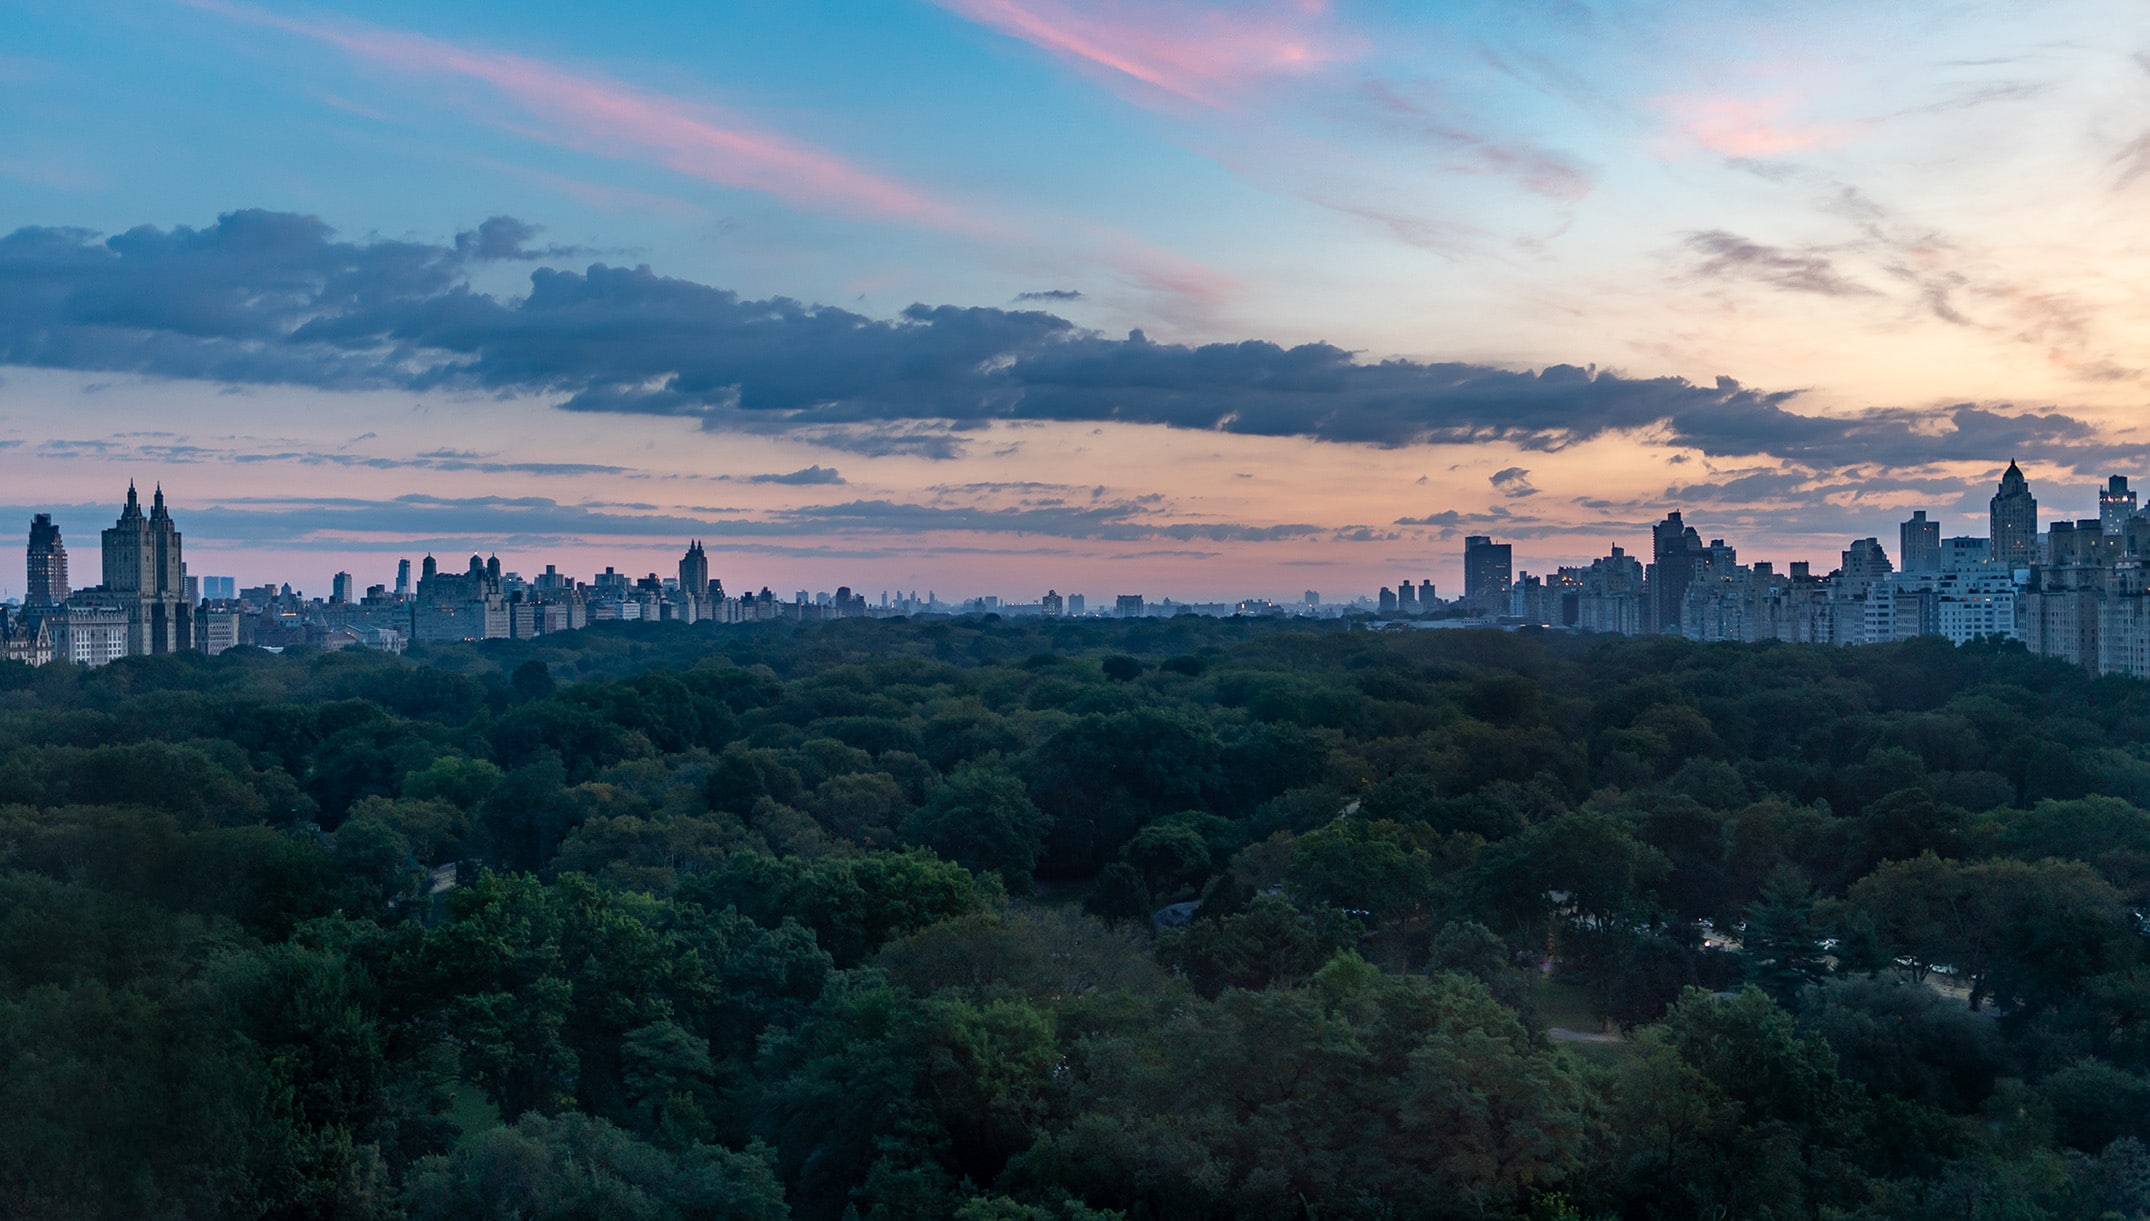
column 1748, row 127
column 592, row 114
column 1192, row 55
column 1160, row 270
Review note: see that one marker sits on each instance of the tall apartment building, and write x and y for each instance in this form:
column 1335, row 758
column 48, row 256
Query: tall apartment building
column 2116, row 505
column 47, row 565
column 1488, row 573
column 145, row 582
column 1919, row 548
column 1676, row 555
column 2013, row 514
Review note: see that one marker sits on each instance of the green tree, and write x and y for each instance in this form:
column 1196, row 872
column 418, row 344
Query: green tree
column 573, row 1166
column 1268, row 944
column 1727, row 1110
column 1782, row 943
column 532, row 680
column 461, row 782
column 2021, row 933
column 376, row 865
column 983, row 820
column 1360, row 865
column 1119, row 894
column 1171, row 857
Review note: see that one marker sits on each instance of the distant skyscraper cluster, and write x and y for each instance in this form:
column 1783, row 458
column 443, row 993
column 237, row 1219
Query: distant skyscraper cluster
column 1405, row 599
column 2080, row 591
column 149, row 604
column 143, row 607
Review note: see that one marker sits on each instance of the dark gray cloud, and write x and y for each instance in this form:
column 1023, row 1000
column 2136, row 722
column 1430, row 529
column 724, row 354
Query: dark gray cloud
column 273, row 298
column 1051, row 294
column 183, row 453
column 506, row 239
column 418, row 520
column 1513, row 482
column 1450, row 518
column 812, row 475
column 1120, row 521
column 1730, row 256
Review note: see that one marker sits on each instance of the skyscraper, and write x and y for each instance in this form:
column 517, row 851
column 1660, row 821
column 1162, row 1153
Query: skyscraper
column 48, row 564
column 2014, row 516
column 1676, row 552
column 2116, row 504
column 694, row 571
column 342, row 589
column 1920, row 544
column 1865, row 565
column 403, row 579
column 145, row 575
column 1488, row 572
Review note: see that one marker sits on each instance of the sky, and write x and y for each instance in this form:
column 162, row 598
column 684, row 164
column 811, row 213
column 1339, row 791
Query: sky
column 991, row 296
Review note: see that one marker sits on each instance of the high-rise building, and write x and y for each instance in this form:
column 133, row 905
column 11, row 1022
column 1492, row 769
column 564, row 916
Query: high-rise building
column 1920, row 544
column 1865, row 565
column 2015, row 521
column 1051, row 604
column 1075, row 604
column 146, row 578
column 1488, row 573
column 1406, row 598
column 403, row 579
column 1964, row 553
column 2116, row 504
column 1610, row 599
column 694, row 571
column 465, row 606
column 1127, row 606
column 342, row 589
column 48, row 564
column 1676, row 553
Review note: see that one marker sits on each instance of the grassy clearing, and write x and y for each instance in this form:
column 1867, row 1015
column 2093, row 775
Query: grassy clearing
column 471, row 1112
column 1564, row 1005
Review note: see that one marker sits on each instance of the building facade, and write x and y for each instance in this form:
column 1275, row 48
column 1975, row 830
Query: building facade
column 145, row 578
column 1488, row 574
column 2013, row 516
column 47, row 584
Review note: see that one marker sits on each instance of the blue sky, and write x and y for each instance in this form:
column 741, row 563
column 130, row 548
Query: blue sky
column 1888, row 224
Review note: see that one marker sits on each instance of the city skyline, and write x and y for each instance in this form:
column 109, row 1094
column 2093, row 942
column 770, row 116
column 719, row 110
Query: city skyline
column 1453, row 578
column 990, row 294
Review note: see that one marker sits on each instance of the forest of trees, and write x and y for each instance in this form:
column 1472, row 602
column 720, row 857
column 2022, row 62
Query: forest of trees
column 859, row 919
